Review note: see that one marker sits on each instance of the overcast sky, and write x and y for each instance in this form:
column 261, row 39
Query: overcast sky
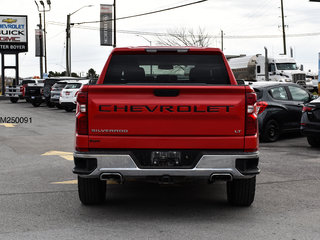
column 243, row 22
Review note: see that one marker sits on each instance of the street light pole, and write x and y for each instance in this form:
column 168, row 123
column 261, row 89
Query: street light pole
column 41, row 48
column 68, row 41
column 45, row 33
column 150, row 42
column 283, row 30
column 222, row 40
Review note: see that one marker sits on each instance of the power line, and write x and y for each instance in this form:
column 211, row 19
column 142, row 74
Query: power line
column 147, row 13
column 160, row 34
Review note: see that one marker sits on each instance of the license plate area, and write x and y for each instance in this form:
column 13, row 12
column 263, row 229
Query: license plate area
column 144, row 158
column 166, row 158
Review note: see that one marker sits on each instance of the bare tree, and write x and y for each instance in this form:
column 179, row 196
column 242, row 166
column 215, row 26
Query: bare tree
column 186, row 37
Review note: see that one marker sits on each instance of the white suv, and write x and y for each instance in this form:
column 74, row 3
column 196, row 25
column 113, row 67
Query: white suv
column 68, row 96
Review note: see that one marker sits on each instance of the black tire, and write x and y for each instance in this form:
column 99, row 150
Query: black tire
column 314, row 141
column 50, row 104
column 68, row 109
column 271, row 131
column 91, row 190
column 58, row 105
column 36, row 104
column 27, row 100
column 240, row 192
column 14, row 100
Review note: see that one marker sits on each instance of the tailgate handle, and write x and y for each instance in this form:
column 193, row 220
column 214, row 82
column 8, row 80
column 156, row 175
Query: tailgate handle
column 166, row 92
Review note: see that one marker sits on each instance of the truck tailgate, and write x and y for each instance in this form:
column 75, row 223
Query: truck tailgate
column 206, row 117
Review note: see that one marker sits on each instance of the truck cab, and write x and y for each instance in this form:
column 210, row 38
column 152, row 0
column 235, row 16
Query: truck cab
column 285, row 69
column 280, row 69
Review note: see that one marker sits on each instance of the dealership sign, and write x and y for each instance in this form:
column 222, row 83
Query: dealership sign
column 13, row 34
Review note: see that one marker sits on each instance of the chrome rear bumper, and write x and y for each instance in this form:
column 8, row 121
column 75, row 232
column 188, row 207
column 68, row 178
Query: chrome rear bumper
column 124, row 165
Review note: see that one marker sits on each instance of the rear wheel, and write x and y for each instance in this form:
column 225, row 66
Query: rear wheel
column 91, row 190
column 50, row 104
column 68, row 109
column 14, row 99
column 314, row 141
column 240, row 192
column 271, row 131
column 58, row 105
column 36, row 104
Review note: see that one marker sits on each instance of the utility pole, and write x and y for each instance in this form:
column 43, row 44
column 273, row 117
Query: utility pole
column 68, row 41
column 283, row 30
column 68, row 47
column 114, row 25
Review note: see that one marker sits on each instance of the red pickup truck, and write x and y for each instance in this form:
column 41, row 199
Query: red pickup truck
column 166, row 114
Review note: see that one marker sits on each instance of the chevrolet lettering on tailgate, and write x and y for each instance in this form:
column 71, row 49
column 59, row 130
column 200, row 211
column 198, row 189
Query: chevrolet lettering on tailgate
column 163, row 108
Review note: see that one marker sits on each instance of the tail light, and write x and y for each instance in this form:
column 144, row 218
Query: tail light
column 251, row 115
column 307, row 109
column 82, row 114
column 261, row 106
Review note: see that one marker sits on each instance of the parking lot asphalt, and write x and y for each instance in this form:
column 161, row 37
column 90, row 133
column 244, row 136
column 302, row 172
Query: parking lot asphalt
column 39, row 198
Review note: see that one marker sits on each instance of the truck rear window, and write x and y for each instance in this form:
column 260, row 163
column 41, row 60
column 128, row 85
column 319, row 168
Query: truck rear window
column 167, row 68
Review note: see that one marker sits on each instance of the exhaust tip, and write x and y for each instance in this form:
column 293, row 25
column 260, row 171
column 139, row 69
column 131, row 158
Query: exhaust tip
column 111, row 176
column 221, row 177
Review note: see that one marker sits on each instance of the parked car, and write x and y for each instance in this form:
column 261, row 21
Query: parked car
column 68, row 96
column 48, row 83
column 56, row 91
column 18, row 92
column 34, row 92
column 310, row 122
column 279, row 108
column 166, row 115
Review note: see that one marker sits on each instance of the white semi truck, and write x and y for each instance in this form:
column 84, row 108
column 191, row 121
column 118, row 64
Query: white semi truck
column 280, row 69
